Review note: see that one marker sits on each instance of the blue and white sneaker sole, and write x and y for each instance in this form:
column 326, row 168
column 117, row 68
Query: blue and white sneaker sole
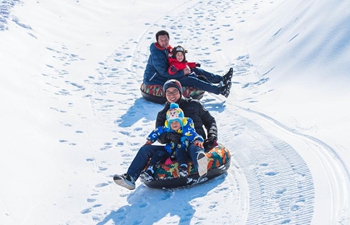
column 202, row 164
column 121, row 181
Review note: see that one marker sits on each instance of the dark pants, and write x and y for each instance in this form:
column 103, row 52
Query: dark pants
column 181, row 156
column 212, row 78
column 158, row 157
column 147, row 151
column 161, row 156
column 193, row 151
column 193, row 81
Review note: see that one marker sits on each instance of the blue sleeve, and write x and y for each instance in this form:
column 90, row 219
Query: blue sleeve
column 190, row 133
column 153, row 136
column 159, row 59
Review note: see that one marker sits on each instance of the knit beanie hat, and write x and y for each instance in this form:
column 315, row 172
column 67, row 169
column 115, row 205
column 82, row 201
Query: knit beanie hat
column 172, row 83
column 174, row 113
column 177, row 49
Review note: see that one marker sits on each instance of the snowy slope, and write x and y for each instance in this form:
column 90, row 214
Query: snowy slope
column 72, row 114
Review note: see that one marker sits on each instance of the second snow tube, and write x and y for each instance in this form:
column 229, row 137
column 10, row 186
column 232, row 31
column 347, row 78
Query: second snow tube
column 155, row 93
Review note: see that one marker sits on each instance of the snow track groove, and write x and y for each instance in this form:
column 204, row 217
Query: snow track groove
column 326, row 173
column 280, row 184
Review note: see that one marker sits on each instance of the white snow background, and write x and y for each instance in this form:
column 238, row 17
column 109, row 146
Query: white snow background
column 72, row 114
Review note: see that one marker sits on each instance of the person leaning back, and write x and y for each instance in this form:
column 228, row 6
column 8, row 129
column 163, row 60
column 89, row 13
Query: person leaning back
column 156, row 71
column 192, row 108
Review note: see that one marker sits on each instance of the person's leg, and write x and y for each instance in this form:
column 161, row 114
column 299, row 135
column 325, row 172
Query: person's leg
column 213, row 78
column 192, row 81
column 210, row 76
column 199, row 158
column 158, row 157
column 182, row 159
column 181, row 156
column 141, row 159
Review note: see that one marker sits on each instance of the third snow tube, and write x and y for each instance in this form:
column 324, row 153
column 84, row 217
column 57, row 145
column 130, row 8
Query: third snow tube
column 166, row 176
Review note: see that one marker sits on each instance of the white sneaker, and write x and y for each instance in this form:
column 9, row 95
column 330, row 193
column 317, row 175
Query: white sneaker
column 146, row 175
column 125, row 180
column 183, row 171
column 202, row 161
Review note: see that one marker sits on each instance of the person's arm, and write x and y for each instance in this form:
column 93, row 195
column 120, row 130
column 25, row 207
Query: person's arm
column 193, row 64
column 191, row 132
column 159, row 59
column 153, row 136
column 161, row 116
column 175, row 66
column 211, row 127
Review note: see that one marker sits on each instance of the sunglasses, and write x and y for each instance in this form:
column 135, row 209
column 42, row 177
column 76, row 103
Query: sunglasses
column 174, row 92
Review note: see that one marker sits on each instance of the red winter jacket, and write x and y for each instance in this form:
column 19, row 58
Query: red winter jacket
column 176, row 65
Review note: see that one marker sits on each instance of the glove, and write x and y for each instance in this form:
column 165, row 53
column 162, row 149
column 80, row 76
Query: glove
column 174, row 137
column 198, row 65
column 198, row 143
column 210, row 143
column 148, row 142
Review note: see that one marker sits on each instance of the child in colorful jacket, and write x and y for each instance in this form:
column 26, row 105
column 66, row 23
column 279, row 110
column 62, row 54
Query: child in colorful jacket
column 176, row 122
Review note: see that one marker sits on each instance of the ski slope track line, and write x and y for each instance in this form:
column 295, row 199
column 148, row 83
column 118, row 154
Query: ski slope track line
column 330, row 174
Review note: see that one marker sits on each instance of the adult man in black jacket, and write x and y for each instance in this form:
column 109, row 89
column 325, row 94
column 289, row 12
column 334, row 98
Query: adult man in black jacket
column 201, row 117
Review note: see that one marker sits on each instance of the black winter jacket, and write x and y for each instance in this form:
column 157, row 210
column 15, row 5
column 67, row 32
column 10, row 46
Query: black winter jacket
column 195, row 110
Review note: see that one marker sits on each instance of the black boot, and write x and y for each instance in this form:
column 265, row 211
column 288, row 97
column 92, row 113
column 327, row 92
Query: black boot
column 228, row 76
column 225, row 90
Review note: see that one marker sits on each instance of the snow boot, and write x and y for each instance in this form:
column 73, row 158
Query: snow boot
column 225, row 90
column 228, row 76
column 147, row 175
column 183, row 171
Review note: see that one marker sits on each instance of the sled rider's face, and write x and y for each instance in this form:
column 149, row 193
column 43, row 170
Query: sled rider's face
column 172, row 94
column 175, row 125
column 180, row 56
column 163, row 41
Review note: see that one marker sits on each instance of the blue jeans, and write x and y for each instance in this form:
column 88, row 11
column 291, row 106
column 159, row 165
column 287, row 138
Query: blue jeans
column 181, row 156
column 213, row 78
column 193, row 81
column 160, row 156
column 141, row 159
column 193, row 151
column 147, row 151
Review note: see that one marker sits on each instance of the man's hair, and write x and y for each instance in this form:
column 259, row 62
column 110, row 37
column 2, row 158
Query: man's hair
column 162, row 32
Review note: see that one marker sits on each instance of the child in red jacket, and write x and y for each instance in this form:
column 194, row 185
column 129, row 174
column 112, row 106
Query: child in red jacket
column 178, row 62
